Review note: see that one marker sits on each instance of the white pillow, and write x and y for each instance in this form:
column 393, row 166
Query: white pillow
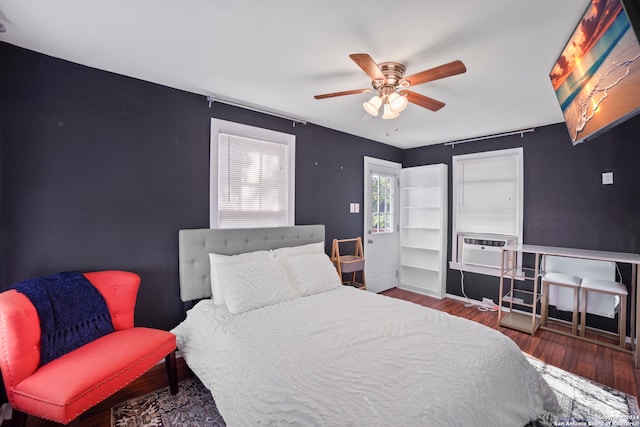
column 311, row 248
column 216, row 259
column 312, row 273
column 251, row 285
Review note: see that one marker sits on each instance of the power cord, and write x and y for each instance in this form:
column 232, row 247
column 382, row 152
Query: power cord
column 470, row 303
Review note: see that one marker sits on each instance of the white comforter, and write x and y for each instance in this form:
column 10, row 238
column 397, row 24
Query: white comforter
column 352, row 358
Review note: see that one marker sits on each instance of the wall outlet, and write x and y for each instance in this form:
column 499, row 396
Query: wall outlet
column 607, row 178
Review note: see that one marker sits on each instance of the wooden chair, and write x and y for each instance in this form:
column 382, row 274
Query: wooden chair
column 351, row 263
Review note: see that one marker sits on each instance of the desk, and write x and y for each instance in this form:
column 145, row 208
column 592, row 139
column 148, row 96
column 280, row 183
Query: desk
column 509, row 251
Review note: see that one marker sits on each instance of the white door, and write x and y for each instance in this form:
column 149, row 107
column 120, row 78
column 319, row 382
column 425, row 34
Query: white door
column 381, row 202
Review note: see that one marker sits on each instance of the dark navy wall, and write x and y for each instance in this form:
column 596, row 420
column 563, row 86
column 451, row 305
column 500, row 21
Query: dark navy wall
column 565, row 203
column 100, row 171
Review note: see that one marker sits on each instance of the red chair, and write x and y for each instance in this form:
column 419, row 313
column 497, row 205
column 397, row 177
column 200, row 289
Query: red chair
column 64, row 388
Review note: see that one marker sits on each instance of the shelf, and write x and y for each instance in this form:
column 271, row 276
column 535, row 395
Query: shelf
column 520, row 297
column 519, row 273
column 422, row 197
column 427, row 260
column 420, row 248
column 525, row 294
column 426, row 264
column 520, row 322
column 423, row 282
column 432, row 292
column 423, row 216
column 423, row 268
column 421, row 239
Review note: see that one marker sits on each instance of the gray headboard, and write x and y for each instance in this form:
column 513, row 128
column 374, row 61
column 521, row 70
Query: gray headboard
column 195, row 246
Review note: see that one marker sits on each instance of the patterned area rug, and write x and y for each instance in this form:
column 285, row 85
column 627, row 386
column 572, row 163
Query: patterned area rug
column 584, row 403
column 193, row 406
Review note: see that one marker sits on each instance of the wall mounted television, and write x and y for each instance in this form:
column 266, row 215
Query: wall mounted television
column 597, row 76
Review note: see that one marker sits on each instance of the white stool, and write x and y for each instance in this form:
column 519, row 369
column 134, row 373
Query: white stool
column 565, row 281
column 609, row 287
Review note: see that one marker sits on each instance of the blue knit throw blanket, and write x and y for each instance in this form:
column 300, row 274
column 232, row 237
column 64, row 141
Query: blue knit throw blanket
column 72, row 312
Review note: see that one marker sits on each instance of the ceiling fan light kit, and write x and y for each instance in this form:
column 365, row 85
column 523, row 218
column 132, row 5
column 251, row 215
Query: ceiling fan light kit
column 373, row 105
column 397, row 103
column 388, row 77
column 388, row 113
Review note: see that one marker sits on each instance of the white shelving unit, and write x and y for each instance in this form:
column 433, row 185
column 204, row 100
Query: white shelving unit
column 423, row 228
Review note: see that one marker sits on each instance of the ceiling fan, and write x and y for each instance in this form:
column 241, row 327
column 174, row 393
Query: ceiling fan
column 387, row 78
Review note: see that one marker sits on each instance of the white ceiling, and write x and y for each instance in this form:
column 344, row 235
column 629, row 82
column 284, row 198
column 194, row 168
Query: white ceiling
column 278, row 54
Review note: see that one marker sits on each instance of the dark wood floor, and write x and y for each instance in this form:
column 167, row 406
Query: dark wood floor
column 604, row 365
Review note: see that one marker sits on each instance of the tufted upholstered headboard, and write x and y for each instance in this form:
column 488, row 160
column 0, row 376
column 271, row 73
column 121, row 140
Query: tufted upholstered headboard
column 196, row 244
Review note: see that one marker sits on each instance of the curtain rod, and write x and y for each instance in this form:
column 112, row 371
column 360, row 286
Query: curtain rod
column 253, row 107
column 495, row 135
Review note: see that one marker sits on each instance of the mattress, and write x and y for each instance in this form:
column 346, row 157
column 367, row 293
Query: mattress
column 347, row 357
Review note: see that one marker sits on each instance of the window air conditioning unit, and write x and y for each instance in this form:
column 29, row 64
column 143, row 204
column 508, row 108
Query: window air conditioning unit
column 484, row 250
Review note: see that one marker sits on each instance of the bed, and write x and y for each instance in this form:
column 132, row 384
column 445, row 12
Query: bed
column 279, row 341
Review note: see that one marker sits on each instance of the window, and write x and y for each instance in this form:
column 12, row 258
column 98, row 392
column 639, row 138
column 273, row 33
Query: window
column 488, row 194
column 382, row 203
column 252, row 176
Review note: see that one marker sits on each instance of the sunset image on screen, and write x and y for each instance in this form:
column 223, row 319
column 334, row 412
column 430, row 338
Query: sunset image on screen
column 597, row 76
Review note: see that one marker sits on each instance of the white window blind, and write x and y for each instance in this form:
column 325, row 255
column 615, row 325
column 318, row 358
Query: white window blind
column 252, row 176
column 488, row 195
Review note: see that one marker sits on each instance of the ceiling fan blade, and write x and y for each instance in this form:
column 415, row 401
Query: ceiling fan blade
column 346, row 92
column 423, row 101
column 440, row 72
column 368, row 65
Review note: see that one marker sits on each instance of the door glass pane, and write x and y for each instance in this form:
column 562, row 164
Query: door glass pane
column 382, row 188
